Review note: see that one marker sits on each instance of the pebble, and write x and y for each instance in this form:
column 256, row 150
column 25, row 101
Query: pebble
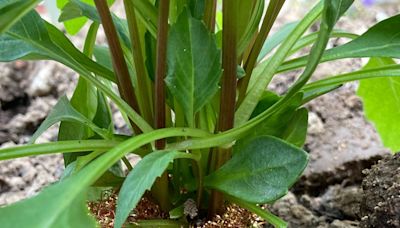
column 315, row 124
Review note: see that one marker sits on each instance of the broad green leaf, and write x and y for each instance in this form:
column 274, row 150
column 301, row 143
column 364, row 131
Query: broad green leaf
column 381, row 99
column 260, row 171
column 288, row 124
column 296, row 130
column 18, row 41
column 381, row 40
column 136, row 183
column 32, row 38
column 197, row 8
column 58, row 212
column 12, row 11
column 63, row 111
column 194, row 64
column 72, row 57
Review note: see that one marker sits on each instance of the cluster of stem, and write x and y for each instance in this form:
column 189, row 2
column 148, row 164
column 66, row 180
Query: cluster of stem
column 153, row 108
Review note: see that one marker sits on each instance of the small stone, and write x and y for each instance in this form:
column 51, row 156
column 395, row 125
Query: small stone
column 315, row 124
column 190, row 208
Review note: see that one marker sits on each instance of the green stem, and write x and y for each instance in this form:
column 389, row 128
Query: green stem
column 160, row 190
column 70, row 146
column 91, row 39
column 228, row 96
column 124, row 82
column 273, row 10
column 144, row 85
column 263, row 213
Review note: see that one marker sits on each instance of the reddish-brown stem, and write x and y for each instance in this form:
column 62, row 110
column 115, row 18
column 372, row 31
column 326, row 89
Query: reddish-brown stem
column 161, row 68
column 228, row 94
column 160, row 188
column 124, row 82
column 209, row 14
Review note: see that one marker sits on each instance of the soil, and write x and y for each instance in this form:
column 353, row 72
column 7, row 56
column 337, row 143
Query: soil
column 341, row 142
column 380, row 204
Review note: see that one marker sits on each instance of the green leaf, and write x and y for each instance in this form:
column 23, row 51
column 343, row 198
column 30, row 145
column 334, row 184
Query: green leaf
column 381, row 99
column 103, row 56
column 260, row 171
column 378, row 72
column 289, row 124
column 73, row 24
column 103, row 117
column 255, row 92
column 60, row 204
column 108, row 179
column 381, row 40
column 32, row 38
column 148, row 14
column 58, row 212
column 332, row 11
column 72, row 146
column 76, row 9
column 248, row 15
column 312, row 37
column 66, row 53
column 276, row 39
column 136, row 183
column 194, row 64
column 296, row 130
column 29, row 39
column 63, row 111
column 197, row 8
column 84, row 100
column 12, row 11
